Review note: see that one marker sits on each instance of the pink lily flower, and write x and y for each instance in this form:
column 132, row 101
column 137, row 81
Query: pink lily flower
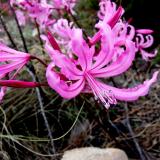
column 71, row 76
column 15, row 59
column 11, row 60
column 40, row 11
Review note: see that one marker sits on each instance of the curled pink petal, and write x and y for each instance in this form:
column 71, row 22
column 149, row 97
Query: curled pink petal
column 123, row 62
column 144, row 31
column 146, row 55
column 143, row 42
column 65, row 89
column 134, row 93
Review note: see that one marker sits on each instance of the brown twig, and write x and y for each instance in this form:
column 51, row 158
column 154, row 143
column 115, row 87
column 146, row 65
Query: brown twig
column 138, row 148
column 40, row 60
column 45, row 119
column 7, row 32
column 19, row 29
column 39, row 36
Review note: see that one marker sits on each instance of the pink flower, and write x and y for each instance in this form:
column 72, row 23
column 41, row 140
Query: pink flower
column 63, row 29
column 37, row 10
column 10, row 61
column 71, row 76
column 15, row 59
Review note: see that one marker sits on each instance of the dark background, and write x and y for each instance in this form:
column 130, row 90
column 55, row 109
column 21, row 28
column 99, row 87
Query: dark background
column 145, row 14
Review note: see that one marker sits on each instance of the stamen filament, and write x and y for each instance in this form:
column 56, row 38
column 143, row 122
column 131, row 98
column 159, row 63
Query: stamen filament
column 98, row 91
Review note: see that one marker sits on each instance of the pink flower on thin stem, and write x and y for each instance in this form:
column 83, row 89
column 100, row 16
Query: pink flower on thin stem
column 71, row 76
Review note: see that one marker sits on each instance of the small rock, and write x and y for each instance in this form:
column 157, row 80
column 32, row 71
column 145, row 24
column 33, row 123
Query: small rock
column 93, row 153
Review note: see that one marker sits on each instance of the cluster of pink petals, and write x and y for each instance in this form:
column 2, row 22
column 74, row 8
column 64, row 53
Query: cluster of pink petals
column 142, row 37
column 81, row 72
column 70, row 76
column 63, row 32
column 37, row 10
column 41, row 10
column 11, row 62
column 77, row 66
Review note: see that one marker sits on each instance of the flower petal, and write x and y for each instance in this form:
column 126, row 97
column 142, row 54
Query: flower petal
column 66, row 65
column 144, row 31
column 6, row 68
column 123, row 62
column 146, row 56
column 61, row 86
column 53, row 41
column 107, row 46
column 4, row 48
column 82, row 51
column 132, row 94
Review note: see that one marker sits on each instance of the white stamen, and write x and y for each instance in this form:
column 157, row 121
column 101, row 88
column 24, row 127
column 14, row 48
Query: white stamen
column 105, row 97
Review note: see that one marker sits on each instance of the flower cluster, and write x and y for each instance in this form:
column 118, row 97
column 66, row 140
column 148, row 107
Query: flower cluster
column 41, row 10
column 142, row 37
column 78, row 65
